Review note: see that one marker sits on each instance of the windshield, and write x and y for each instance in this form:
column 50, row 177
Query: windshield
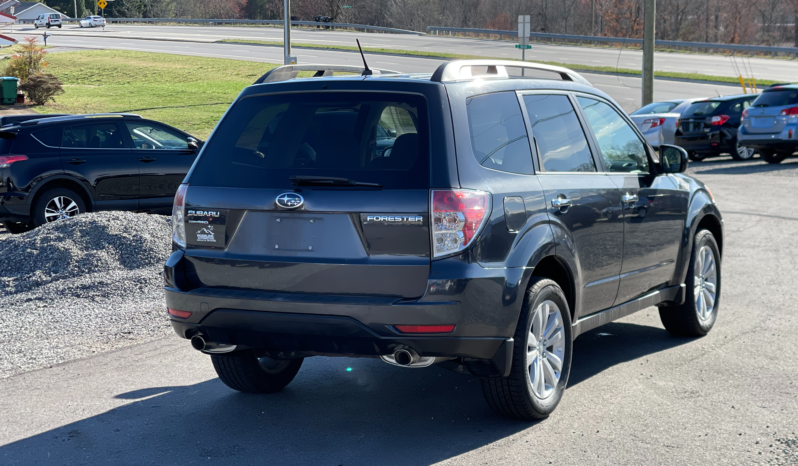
column 264, row 140
column 656, row 107
column 778, row 98
column 702, row 108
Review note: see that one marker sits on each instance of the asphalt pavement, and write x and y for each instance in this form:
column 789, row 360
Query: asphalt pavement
column 624, row 89
column 636, row 394
column 717, row 64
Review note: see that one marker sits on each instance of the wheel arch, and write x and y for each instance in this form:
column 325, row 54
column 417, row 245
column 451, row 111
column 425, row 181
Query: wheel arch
column 556, row 269
column 702, row 214
column 60, row 182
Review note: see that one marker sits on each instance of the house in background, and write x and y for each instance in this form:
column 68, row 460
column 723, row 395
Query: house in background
column 26, row 12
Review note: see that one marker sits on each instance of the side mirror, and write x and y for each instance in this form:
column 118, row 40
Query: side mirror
column 674, row 159
column 392, row 133
column 193, row 144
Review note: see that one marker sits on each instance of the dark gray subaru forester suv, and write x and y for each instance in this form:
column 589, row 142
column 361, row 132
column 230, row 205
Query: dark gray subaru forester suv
column 511, row 214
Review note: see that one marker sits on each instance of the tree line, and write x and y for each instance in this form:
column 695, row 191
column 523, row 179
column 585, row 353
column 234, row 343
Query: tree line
column 768, row 22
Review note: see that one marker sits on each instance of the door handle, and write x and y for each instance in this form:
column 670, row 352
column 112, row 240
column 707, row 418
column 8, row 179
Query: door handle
column 629, row 198
column 562, row 203
column 76, row 161
column 147, row 159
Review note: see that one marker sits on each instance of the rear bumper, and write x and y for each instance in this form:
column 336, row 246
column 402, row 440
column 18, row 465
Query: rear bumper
column 775, row 143
column 710, row 143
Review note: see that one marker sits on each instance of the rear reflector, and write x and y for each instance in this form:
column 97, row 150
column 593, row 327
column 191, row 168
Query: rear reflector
column 457, row 217
column 425, row 328
column 6, row 160
column 180, row 314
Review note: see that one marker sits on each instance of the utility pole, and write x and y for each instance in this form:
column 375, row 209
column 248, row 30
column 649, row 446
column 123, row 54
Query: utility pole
column 592, row 17
column 650, row 16
column 287, row 59
column 75, row 4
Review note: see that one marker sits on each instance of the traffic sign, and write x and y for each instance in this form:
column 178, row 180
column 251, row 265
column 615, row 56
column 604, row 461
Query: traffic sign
column 102, row 4
column 522, row 46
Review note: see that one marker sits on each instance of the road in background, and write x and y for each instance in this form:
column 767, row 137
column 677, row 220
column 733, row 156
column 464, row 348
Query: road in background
column 624, row 89
column 636, row 395
column 717, row 65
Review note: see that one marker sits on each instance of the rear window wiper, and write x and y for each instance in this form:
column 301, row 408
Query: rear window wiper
column 298, row 180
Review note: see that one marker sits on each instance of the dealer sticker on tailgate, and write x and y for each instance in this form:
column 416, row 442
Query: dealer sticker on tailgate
column 206, row 227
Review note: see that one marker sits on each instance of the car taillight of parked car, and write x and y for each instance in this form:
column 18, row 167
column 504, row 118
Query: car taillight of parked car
column 7, row 160
column 791, row 112
column 178, row 216
column 654, row 122
column 719, row 120
column 457, row 217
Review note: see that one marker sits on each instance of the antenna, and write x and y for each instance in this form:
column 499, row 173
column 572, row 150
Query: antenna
column 367, row 71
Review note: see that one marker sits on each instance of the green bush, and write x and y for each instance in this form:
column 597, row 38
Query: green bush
column 42, row 88
column 29, row 62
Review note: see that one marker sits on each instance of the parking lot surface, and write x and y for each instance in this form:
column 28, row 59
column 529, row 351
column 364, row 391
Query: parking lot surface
column 636, row 395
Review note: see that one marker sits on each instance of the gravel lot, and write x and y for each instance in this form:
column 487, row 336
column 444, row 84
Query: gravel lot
column 90, row 284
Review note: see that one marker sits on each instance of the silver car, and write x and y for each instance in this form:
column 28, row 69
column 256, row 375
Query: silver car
column 657, row 121
column 770, row 124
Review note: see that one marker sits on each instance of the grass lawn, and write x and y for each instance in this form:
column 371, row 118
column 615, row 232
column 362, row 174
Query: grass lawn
column 577, row 67
column 190, row 93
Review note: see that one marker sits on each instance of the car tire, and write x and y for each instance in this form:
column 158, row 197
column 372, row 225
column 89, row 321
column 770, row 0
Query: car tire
column 16, row 228
column 515, row 396
column 245, row 372
column 691, row 319
column 48, row 26
column 36, row 26
column 742, row 153
column 774, row 157
column 59, row 26
column 57, row 201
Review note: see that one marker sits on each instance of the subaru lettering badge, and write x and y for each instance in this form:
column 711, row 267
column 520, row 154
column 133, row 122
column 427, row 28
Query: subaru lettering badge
column 290, row 200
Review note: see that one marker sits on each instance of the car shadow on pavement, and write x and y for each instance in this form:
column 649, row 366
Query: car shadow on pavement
column 337, row 411
column 727, row 167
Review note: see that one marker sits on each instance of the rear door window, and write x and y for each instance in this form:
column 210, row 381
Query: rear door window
column 498, row 135
column 92, row 136
column 557, row 134
column 266, row 139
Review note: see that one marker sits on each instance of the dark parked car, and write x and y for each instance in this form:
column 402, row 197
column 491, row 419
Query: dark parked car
column 511, row 216
column 709, row 128
column 770, row 125
column 59, row 167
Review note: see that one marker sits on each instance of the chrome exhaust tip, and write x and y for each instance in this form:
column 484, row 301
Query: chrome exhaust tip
column 198, row 343
column 405, row 357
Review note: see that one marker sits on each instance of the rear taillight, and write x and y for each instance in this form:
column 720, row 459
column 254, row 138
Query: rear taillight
column 745, row 113
column 7, row 160
column 457, row 217
column 654, row 122
column 792, row 112
column 178, row 216
column 719, row 120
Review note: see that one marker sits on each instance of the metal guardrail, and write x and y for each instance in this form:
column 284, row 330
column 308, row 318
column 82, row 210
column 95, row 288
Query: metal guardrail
column 620, row 40
column 217, row 22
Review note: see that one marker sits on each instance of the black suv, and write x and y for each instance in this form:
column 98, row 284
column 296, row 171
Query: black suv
column 53, row 168
column 511, row 215
column 708, row 128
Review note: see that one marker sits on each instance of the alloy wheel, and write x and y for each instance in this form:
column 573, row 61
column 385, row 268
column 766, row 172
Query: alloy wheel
column 545, row 348
column 705, row 282
column 743, row 152
column 60, row 208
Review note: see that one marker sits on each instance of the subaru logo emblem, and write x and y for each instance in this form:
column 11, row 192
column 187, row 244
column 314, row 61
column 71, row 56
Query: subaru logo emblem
column 289, row 200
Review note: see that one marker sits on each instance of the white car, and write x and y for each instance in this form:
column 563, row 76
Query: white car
column 658, row 121
column 47, row 20
column 92, row 22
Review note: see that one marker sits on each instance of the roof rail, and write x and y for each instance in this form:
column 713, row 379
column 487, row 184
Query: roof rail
column 461, row 69
column 287, row 72
column 76, row 117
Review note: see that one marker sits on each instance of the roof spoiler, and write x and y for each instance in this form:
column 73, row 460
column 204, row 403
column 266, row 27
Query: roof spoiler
column 459, row 70
column 288, row 72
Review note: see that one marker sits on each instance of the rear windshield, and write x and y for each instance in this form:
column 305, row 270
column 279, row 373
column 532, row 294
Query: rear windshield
column 366, row 137
column 778, row 98
column 656, row 107
column 704, row 108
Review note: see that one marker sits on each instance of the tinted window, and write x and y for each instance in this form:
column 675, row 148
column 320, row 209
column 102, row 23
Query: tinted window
column 6, row 141
column 620, row 147
column 737, row 107
column 498, row 134
column 92, row 136
column 778, row 98
column 265, row 139
column 656, row 107
column 702, row 108
column 49, row 137
column 149, row 136
column 557, row 134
